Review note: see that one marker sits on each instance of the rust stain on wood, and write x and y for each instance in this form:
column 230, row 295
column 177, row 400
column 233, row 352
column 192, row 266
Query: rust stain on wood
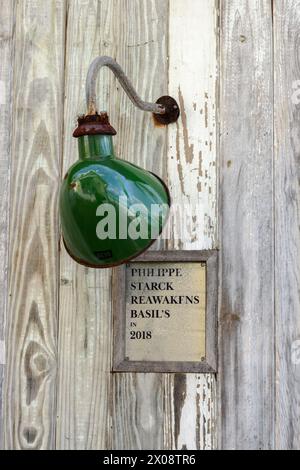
column 179, row 165
column 200, row 163
column 206, row 114
column 156, row 122
column 188, row 148
column 230, row 320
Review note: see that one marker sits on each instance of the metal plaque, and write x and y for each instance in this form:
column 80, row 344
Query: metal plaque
column 165, row 312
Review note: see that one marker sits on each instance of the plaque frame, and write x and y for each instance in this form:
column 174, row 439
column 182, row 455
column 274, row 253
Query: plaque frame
column 207, row 364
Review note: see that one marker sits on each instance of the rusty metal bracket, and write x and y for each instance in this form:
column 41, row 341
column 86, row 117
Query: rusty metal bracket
column 165, row 110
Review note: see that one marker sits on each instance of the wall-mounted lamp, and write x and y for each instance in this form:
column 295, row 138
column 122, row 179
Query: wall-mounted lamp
column 111, row 210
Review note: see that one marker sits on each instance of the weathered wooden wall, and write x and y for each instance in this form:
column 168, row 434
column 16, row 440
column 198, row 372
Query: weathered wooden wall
column 286, row 216
column 231, row 65
column 247, row 329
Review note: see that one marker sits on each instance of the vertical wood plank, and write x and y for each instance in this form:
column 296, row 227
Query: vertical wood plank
column 246, row 350
column 142, row 49
column 30, row 385
column 85, row 394
column 85, row 305
column 137, row 411
column 190, row 399
column 6, row 76
column 190, row 411
column 287, row 210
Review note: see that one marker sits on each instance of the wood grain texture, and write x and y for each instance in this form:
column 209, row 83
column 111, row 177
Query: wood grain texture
column 287, row 213
column 246, row 349
column 142, row 49
column 30, row 383
column 192, row 145
column 6, row 76
column 83, row 403
column 137, row 411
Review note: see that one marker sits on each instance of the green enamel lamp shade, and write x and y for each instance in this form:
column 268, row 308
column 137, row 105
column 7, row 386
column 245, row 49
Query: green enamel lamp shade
column 110, row 210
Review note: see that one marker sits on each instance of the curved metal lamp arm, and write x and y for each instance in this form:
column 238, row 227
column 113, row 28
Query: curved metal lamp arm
column 165, row 110
column 126, row 84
